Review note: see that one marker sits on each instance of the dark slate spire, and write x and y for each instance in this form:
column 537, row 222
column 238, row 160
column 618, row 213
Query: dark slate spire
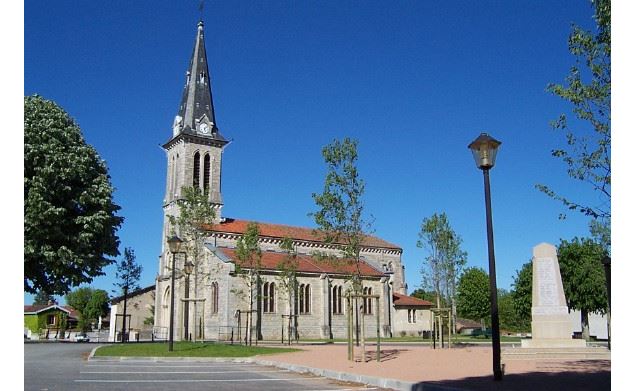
column 196, row 111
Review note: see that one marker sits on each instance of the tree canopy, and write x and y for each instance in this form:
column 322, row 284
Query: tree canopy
column 521, row 291
column 89, row 303
column 472, row 298
column 43, row 298
column 195, row 211
column 340, row 217
column 70, row 219
column 583, row 277
column 128, row 272
column 587, row 87
column 445, row 259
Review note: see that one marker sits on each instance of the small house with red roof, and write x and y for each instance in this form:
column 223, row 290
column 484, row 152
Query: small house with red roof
column 48, row 320
column 212, row 301
column 412, row 314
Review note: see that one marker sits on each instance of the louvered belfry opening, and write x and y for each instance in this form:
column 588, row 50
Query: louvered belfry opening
column 206, row 173
column 197, row 170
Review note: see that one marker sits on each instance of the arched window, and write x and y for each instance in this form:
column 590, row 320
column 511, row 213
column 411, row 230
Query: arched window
column 197, row 170
column 214, row 297
column 304, row 293
column 206, row 172
column 337, row 299
column 268, row 297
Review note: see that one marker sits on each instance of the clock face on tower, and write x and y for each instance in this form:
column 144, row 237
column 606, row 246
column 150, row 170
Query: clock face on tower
column 203, row 128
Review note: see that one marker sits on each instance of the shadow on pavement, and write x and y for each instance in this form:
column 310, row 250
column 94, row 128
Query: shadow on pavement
column 572, row 375
column 384, row 355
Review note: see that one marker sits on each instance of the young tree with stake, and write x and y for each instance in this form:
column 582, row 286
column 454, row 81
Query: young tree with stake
column 128, row 276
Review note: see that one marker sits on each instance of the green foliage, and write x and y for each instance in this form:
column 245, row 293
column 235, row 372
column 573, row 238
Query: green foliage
column 69, row 214
column 43, row 298
column 288, row 269
column 340, row 215
column 582, row 274
column 128, row 272
column 521, row 292
column 587, row 154
column 445, row 260
column 250, row 256
column 32, row 323
column 247, row 248
column 509, row 319
column 472, row 296
column 89, row 303
column 195, row 213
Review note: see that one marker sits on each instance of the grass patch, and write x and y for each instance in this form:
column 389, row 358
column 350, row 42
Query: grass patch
column 186, row 349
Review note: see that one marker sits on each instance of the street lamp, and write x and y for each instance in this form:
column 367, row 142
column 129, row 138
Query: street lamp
column 174, row 245
column 187, row 268
column 484, row 149
column 606, row 261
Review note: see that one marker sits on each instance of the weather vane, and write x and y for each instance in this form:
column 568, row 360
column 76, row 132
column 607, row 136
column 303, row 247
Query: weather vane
column 200, row 7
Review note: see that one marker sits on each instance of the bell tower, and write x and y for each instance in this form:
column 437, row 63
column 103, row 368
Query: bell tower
column 194, row 152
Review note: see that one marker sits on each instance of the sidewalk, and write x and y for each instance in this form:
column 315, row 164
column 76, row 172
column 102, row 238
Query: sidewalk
column 460, row 368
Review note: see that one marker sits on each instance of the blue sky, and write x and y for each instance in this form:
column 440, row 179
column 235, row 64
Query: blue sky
column 414, row 82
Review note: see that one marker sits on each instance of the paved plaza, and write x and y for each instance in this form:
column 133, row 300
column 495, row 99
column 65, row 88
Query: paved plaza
column 419, row 367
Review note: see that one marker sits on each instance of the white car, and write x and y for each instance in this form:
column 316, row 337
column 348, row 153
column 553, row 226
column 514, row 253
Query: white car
column 82, row 338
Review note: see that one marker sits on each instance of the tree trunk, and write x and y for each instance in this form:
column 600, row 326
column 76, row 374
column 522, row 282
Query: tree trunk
column 125, row 302
column 584, row 317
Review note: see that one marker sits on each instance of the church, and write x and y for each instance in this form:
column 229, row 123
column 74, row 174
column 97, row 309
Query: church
column 213, row 302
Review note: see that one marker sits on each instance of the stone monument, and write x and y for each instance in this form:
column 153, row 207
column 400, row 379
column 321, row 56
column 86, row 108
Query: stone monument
column 550, row 323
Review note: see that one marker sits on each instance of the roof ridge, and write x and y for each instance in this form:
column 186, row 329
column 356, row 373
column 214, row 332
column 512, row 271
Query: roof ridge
column 312, row 230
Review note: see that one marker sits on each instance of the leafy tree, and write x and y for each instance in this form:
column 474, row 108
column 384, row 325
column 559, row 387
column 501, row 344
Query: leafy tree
column 472, row 296
column 583, row 278
column 521, row 292
column 196, row 213
column 509, row 319
column 588, row 88
column 250, row 256
column 445, row 260
column 43, row 298
column 70, row 219
column 287, row 277
column 128, row 276
column 340, row 216
column 89, row 303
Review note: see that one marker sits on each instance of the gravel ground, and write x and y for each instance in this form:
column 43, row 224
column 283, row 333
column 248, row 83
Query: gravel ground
column 468, row 368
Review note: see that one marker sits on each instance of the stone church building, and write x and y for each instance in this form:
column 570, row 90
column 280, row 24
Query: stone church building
column 219, row 296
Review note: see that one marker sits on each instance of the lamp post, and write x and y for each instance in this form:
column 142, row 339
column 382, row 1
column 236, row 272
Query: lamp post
column 484, row 149
column 187, row 268
column 174, row 245
column 606, row 261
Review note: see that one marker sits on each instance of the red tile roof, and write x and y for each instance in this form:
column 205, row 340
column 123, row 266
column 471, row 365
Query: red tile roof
column 306, row 263
column 399, row 299
column 281, row 231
